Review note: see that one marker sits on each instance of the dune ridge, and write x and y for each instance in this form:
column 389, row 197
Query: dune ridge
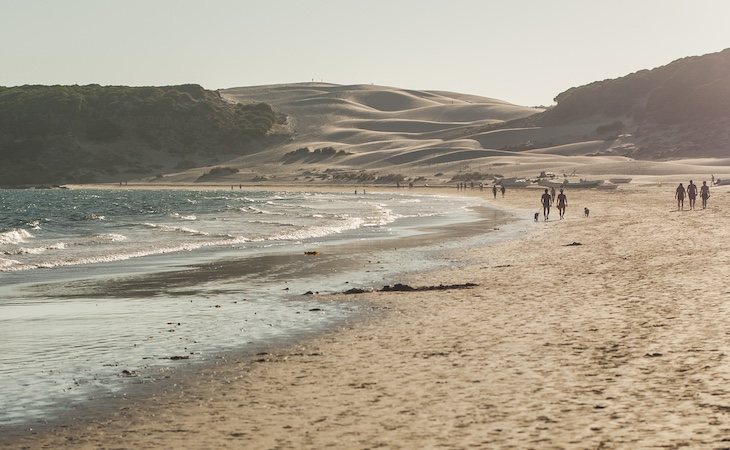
column 432, row 136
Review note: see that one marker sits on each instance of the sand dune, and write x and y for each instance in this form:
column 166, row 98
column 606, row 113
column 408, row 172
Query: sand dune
column 423, row 132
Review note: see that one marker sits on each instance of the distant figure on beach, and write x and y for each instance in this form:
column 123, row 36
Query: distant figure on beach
column 503, row 189
column 546, row 201
column 562, row 203
column 712, row 179
column 691, row 194
column 494, row 190
column 552, row 194
column 679, row 195
column 704, row 194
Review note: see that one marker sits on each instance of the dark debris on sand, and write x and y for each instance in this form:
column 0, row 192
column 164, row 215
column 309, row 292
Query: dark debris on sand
column 399, row 287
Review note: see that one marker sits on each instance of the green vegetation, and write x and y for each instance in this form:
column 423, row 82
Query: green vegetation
column 305, row 155
column 60, row 134
column 217, row 172
column 610, row 129
column 678, row 110
column 693, row 89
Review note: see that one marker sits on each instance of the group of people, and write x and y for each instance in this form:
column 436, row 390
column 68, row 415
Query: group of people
column 691, row 193
column 547, row 201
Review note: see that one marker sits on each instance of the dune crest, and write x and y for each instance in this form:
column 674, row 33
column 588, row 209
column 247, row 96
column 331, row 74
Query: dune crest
column 432, row 136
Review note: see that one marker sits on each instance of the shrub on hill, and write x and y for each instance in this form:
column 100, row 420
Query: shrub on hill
column 306, row 155
column 66, row 133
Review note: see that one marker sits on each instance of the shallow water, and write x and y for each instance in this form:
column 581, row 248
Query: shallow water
column 99, row 289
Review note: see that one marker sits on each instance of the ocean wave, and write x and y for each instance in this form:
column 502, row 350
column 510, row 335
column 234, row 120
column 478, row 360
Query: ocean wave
column 9, row 265
column 110, row 237
column 174, row 229
column 36, row 250
column 6, row 264
column 319, row 231
column 190, row 217
column 384, row 217
column 16, row 236
column 254, row 210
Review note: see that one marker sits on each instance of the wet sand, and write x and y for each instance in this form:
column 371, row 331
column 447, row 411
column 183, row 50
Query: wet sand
column 620, row 342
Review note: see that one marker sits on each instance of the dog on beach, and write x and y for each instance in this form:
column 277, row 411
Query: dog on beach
column 537, row 216
column 586, row 212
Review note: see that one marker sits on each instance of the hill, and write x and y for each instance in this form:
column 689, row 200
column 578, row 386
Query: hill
column 678, row 110
column 61, row 134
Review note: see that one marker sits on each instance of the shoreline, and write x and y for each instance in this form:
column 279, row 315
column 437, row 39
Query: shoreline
column 334, row 255
column 618, row 342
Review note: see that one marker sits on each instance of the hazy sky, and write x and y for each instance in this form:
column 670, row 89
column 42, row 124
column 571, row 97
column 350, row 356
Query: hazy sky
column 524, row 51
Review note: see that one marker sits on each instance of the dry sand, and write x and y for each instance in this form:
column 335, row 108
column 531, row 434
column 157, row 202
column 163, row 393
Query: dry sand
column 621, row 342
column 428, row 136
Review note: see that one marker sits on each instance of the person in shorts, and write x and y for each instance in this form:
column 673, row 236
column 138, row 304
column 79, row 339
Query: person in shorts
column 679, row 195
column 562, row 203
column 546, row 199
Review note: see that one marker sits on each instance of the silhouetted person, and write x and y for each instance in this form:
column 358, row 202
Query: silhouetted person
column 546, row 201
column 679, row 195
column 713, row 179
column 704, row 194
column 494, row 191
column 503, row 189
column 562, row 203
column 691, row 194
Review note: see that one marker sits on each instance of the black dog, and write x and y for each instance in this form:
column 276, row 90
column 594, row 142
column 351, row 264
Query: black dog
column 537, row 216
column 586, row 211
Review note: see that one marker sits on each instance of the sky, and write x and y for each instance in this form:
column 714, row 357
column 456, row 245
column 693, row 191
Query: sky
column 525, row 52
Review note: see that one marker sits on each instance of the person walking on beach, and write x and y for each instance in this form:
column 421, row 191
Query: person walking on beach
column 704, row 194
column 562, row 203
column 552, row 194
column 691, row 194
column 494, row 190
column 503, row 189
column 546, row 201
column 679, row 195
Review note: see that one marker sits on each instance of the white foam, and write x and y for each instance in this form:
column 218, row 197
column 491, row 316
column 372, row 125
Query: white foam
column 181, row 217
column 110, row 237
column 36, row 250
column 384, row 217
column 319, row 231
column 16, row 236
column 174, row 229
column 6, row 264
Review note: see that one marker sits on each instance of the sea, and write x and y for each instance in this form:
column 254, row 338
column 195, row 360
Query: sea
column 104, row 289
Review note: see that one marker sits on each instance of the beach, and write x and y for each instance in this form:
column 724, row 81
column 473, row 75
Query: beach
column 619, row 342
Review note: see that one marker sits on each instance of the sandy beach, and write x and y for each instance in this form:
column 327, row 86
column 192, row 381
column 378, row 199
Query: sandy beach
column 619, row 342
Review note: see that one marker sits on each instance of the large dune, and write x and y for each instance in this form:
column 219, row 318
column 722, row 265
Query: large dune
column 430, row 135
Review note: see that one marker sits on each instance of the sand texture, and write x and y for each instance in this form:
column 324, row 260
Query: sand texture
column 621, row 342
column 425, row 137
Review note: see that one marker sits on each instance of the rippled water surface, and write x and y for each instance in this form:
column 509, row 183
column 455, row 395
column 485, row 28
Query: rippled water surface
column 102, row 288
